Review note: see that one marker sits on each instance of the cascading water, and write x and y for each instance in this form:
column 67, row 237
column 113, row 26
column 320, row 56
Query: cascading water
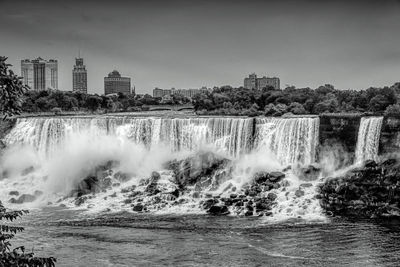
column 233, row 135
column 292, row 140
column 69, row 149
column 368, row 139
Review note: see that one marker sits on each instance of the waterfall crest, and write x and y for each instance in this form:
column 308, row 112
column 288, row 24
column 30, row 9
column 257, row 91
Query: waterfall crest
column 368, row 139
column 292, row 140
column 232, row 135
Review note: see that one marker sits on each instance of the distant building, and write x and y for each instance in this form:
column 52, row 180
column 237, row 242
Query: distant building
column 114, row 83
column 189, row 93
column 252, row 82
column 79, row 77
column 40, row 74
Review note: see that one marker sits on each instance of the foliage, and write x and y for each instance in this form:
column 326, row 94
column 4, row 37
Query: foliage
column 393, row 110
column 17, row 256
column 11, row 90
column 271, row 102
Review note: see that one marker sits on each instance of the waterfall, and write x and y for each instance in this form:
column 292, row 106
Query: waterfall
column 368, row 139
column 291, row 140
column 232, row 135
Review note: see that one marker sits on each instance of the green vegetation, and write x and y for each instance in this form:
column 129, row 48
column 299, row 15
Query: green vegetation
column 11, row 91
column 270, row 102
column 57, row 101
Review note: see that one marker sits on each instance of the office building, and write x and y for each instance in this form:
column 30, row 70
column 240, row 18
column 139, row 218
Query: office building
column 40, row 74
column 79, row 76
column 115, row 83
column 252, row 82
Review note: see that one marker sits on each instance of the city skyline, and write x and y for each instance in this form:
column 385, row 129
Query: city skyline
column 190, row 44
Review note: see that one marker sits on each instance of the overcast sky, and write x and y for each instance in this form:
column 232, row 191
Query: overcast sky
column 189, row 44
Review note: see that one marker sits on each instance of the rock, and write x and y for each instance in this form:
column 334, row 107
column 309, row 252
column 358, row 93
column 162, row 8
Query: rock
column 299, row 193
column 27, row 170
column 38, row 193
column 276, row 176
column 370, row 164
column 271, row 196
column 218, row 210
column 304, row 185
column 248, row 213
column 122, row 177
column 200, row 168
column 114, row 194
column 138, row 208
column 209, row 203
column 233, row 196
column 128, row 189
column 23, row 199
column 260, row 177
column 80, row 200
column 310, row 173
column 196, row 195
column 14, row 193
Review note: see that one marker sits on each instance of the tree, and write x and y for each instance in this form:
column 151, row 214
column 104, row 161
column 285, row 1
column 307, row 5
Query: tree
column 93, row 102
column 11, row 90
column 393, row 110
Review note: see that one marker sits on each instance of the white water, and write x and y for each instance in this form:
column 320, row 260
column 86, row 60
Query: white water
column 292, row 140
column 65, row 150
column 368, row 139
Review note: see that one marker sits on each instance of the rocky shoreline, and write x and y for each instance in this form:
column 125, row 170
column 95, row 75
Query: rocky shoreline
column 370, row 191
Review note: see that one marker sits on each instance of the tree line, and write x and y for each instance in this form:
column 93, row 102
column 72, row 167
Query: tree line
column 272, row 102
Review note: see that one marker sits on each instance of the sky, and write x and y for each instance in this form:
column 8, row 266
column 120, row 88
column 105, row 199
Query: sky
column 190, row 44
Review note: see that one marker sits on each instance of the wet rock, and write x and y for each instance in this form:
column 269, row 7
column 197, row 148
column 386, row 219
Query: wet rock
column 38, row 193
column 201, row 168
column 272, row 196
column 80, row 200
column 248, row 213
column 370, row 164
column 310, row 173
column 27, row 170
column 128, row 189
column 233, row 196
column 23, row 199
column 114, row 194
column 218, row 210
column 299, row 193
column 371, row 191
column 209, row 203
column 261, row 177
column 122, row 177
column 138, row 207
column 276, row 176
column 14, row 193
column 305, row 185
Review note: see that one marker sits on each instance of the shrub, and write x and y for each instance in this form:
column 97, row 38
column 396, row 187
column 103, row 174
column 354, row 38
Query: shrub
column 17, row 256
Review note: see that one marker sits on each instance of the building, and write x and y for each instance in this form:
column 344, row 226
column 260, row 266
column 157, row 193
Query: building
column 40, row 74
column 79, row 76
column 189, row 93
column 114, row 83
column 252, row 82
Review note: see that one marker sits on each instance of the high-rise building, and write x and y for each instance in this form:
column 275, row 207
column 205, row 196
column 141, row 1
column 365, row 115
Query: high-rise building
column 79, row 77
column 114, row 83
column 252, row 82
column 40, row 74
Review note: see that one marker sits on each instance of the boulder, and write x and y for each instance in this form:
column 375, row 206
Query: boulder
column 309, row 173
column 204, row 168
column 276, row 176
column 218, row 210
column 23, row 199
column 138, row 207
column 14, row 193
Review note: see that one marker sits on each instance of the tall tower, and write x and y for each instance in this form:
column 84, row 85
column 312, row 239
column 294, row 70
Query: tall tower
column 40, row 74
column 79, row 76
